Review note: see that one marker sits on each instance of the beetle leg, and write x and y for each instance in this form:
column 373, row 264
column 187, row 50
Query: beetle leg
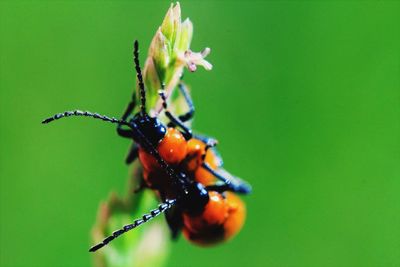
column 189, row 102
column 132, row 154
column 187, row 133
column 233, row 183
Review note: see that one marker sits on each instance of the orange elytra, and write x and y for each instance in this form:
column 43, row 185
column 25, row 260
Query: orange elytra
column 173, row 147
column 195, row 151
column 222, row 218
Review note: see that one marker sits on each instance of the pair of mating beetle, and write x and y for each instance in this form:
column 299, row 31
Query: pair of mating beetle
column 181, row 168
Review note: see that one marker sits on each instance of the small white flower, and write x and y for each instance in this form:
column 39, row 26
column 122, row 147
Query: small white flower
column 194, row 59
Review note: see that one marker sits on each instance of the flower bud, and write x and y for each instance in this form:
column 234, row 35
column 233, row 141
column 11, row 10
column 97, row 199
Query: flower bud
column 167, row 26
column 183, row 43
column 177, row 23
column 160, row 53
column 151, row 79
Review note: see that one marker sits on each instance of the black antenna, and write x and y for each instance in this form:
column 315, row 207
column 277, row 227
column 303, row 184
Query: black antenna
column 83, row 113
column 163, row 97
column 142, row 91
column 146, row 143
column 145, row 218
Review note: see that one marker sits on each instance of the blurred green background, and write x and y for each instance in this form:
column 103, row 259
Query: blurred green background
column 304, row 98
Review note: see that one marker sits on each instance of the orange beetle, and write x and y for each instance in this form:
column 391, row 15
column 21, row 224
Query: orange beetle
column 221, row 219
column 210, row 214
